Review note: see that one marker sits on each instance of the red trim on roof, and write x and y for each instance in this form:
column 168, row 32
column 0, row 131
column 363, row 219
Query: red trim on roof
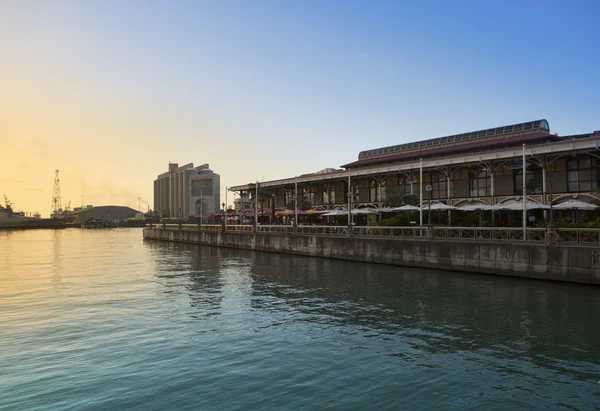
column 449, row 149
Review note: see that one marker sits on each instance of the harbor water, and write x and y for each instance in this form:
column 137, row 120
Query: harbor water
column 101, row 319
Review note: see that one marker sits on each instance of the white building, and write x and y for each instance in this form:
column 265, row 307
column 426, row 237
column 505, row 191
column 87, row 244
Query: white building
column 186, row 191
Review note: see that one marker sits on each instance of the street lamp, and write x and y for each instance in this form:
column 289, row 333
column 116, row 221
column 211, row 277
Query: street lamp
column 429, row 189
column 350, row 196
column 224, row 216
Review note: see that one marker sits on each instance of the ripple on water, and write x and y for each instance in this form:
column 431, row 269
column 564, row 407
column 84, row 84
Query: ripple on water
column 104, row 320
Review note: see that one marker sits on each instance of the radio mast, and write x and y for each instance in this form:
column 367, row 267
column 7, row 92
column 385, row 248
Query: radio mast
column 56, row 206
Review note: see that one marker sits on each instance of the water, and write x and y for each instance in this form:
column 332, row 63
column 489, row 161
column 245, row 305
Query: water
column 104, row 320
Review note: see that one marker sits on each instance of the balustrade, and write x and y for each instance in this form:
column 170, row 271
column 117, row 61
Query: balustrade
column 566, row 236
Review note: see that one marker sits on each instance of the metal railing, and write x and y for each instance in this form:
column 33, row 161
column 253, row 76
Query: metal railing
column 565, row 236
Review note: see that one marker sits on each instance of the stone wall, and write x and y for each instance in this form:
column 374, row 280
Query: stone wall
column 558, row 263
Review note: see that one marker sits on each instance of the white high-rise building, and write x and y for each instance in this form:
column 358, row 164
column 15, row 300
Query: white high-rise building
column 186, row 191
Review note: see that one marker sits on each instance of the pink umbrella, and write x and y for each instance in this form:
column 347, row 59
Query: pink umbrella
column 261, row 213
column 299, row 212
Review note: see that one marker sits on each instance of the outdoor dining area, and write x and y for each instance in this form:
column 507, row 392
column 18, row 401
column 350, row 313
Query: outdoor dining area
column 474, row 214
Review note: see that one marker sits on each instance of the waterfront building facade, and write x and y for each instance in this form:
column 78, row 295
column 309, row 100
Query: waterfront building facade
column 483, row 167
column 242, row 203
column 186, row 191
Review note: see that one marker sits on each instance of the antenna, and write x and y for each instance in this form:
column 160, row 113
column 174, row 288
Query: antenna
column 139, row 206
column 56, row 206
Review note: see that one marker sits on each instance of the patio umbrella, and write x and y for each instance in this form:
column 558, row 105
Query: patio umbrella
column 518, row 206
column 475, row 207
column 439, row 207
column 312, row 211
column 334, row 213
column 291, row 213
column 364, row 211
column 574, row 205
column 233, row 214
column 405, row 208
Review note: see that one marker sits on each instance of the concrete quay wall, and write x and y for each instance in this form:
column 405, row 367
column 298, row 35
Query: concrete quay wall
column 557, row 263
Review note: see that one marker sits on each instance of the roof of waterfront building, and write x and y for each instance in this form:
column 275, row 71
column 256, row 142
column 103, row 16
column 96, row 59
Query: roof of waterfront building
column 481, row 139
column 455, row 152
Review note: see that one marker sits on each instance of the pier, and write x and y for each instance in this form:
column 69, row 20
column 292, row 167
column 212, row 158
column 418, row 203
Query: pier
column 573, row 257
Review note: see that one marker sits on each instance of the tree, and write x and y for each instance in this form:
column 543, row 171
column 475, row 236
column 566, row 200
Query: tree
column 395, row 197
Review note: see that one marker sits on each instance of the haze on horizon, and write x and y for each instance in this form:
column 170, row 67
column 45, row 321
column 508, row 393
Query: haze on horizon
column 110, row 92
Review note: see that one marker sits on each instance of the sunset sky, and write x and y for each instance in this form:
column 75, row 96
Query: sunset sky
column 110, row 92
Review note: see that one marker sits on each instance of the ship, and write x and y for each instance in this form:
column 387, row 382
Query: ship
column 10, row 219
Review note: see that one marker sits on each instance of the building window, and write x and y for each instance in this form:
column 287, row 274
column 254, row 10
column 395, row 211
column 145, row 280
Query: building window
column 581, row 174
column 382, row 191
column 308, row 194
column 439, row 183
column 401, row 187
column 325, row 197
column 479, row 182
column 332, row 196
column 533, row 181
column 373, row 190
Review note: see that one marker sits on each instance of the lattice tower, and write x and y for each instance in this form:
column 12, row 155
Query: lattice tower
column 56, row 206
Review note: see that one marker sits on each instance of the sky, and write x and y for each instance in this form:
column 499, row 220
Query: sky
column 110, row 92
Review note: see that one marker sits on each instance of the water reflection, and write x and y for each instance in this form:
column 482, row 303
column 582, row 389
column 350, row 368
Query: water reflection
column 493, row 320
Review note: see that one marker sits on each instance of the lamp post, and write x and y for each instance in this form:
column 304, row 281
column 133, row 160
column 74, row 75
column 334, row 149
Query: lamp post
column 429, row 189
column 524, row 196
column 224, row 217
column 295, row 204
column 255, row 222
column 350, row 197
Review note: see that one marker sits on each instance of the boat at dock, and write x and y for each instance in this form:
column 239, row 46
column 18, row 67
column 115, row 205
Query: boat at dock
column 10, row 219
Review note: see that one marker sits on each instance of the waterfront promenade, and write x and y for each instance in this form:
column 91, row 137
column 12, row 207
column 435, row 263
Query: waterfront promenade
column 573, row 257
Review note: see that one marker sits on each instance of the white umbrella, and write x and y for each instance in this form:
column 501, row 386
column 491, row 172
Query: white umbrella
column 364, row 211
column 384, row 210
column 439, row 207
column 405, row 208
column 475, row 207
column 334, row 213
column 574, row 205
column 518, row 206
